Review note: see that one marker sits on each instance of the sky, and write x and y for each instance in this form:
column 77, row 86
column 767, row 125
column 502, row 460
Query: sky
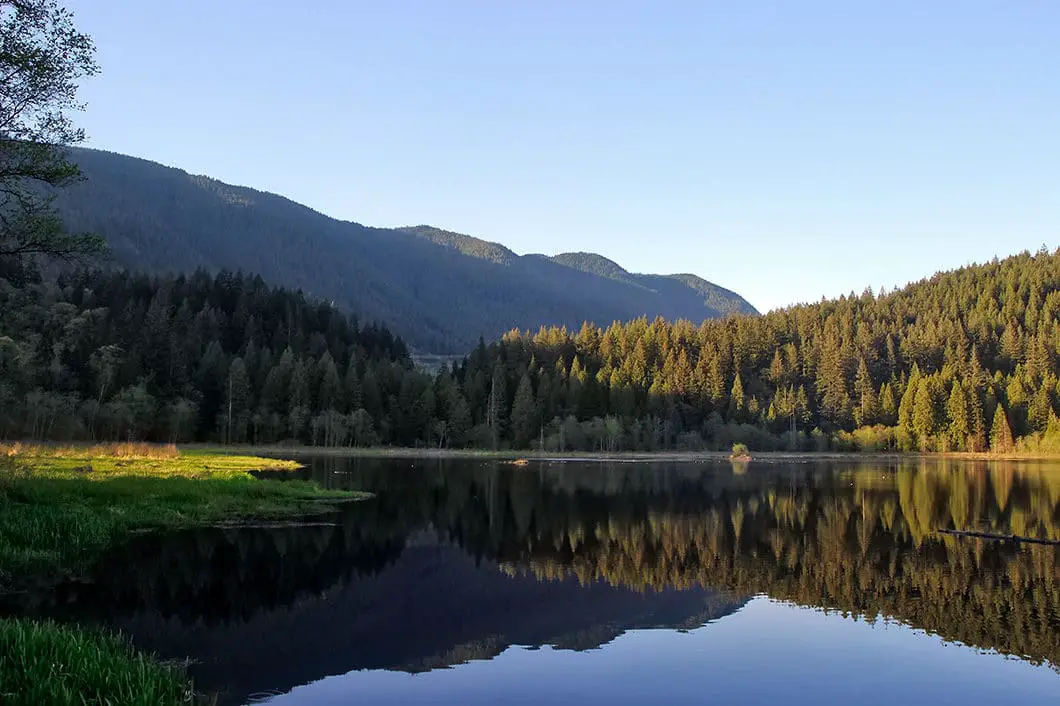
column 786, row 150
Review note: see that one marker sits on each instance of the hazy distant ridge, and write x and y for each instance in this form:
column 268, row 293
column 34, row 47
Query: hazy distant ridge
column 439, row 290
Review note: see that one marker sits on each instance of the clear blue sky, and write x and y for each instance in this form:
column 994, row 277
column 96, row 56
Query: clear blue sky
column 787, row 150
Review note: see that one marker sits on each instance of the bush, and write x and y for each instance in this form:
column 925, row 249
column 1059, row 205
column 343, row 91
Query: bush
column 875, row 438
column 740, row 450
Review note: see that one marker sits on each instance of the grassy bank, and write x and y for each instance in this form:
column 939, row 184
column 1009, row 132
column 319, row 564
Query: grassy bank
column 62, row 507
column 46, row 663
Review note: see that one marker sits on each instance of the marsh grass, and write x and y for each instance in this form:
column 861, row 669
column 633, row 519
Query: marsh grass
column 47, row 663
column 130, row 450
column 150, row 460
column 61, row 508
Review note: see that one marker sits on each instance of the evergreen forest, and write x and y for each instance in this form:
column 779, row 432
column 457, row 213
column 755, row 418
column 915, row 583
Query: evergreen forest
column 963, row 361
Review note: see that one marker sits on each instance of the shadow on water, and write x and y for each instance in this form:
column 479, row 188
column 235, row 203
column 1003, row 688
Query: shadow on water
column 457, row 560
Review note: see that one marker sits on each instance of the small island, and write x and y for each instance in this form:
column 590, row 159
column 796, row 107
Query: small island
column 740, row 453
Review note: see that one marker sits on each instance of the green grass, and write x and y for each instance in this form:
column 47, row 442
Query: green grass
column 46, row 663
column 99, row 462
column 62, row 509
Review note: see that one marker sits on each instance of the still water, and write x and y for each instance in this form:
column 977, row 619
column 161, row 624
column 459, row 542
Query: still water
column 478, row 582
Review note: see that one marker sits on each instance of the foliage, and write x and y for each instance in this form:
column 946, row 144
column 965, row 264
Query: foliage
column 740, row 451
column 47, row 663
column 42, row 59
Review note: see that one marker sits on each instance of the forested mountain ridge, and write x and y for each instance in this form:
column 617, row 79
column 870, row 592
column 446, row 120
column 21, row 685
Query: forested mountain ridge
column 440, row 291
column 963, row 361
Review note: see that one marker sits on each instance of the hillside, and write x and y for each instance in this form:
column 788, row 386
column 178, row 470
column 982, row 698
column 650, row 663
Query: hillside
column 963, row 361
column 440, row 291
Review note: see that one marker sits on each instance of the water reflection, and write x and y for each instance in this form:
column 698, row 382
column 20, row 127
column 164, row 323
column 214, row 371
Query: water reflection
column 861, row 539
column 459, row 560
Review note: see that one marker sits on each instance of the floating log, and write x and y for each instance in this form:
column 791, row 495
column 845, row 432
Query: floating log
column 1001, row 537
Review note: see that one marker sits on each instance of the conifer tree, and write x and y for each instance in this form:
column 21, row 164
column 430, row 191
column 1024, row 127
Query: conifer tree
column 737, row 401
column 957, row 412
column 524, row 413
column 497, row 412
column 238, row 403
column 907, row 436
column 459, row 418
column 977, row 440
column 1001, row 432
column 888, row 406
column 330, row 391
column 925, row 423
column 866, row 411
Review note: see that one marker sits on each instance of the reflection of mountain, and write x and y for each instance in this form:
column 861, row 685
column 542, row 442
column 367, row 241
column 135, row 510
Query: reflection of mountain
column 272, row 609
column 860, row 540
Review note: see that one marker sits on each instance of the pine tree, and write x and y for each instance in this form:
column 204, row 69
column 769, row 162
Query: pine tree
column 351, row 387
column 545, row 402
column 524, row 414
column 866, row 411
column 459, row 417
column 925, row 423
column 776, row 369
column 888, row 406
column 977, row 439
column 737, row 401
column 238, row 403
column 906, row 430
column 497, row 412
column 1001, row 432
column 329, row 395
column 959, row 427
column 1040, row 407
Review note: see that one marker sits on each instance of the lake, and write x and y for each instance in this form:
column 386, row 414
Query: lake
column 480, row 582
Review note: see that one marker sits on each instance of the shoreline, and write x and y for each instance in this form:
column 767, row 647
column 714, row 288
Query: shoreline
column 617, row 456
column 65, row 507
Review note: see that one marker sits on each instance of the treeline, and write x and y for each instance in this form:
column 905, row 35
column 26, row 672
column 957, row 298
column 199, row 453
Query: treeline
column 225, row 357
column 964, row 361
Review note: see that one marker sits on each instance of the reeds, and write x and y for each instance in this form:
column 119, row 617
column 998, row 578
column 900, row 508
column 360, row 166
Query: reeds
column 48, row 663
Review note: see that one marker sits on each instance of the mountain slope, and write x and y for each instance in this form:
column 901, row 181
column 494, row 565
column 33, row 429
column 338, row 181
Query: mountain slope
column 439, row 290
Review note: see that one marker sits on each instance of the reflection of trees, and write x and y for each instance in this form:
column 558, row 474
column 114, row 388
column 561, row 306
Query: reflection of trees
column 861, row 540
column 220, row 575
column 854, row 539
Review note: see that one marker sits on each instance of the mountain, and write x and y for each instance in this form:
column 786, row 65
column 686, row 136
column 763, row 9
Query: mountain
column 441, row 291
